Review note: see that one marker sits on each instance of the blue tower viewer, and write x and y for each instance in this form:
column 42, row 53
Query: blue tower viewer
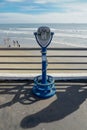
column 44, row 84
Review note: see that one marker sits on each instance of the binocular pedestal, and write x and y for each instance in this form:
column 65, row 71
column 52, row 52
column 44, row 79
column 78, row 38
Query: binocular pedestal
column 44, row 84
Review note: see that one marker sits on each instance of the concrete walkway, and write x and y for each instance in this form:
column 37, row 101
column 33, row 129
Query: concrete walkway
column 20, row 109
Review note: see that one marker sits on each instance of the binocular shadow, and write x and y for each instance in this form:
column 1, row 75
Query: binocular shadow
column 70, row 95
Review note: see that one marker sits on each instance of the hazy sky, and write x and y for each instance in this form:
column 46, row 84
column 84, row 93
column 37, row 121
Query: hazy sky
column 43, row 11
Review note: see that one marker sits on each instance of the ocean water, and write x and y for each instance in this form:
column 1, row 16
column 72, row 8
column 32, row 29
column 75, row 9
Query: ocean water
column 72, row 35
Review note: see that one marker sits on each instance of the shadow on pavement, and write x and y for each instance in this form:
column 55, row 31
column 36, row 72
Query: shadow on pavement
column 70, row 95
column 20, row 91
column 67, row 102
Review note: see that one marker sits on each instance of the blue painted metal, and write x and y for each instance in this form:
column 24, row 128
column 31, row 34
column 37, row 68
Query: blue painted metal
column 44, row 66
column 44, row 90
column 43, row 84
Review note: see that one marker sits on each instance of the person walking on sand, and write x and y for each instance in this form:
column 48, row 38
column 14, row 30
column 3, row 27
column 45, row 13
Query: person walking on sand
column 7, row 42
column 18, row 45
column 4, row 41
column 13, row 43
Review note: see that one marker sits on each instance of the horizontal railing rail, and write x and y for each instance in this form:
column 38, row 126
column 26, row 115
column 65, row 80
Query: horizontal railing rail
column 54, row 48
column 55, row 58
column 40, row 62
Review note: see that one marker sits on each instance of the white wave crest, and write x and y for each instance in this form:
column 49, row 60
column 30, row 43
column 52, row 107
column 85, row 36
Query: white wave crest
column 15, row 32
column 71, row 35
column 69, row 44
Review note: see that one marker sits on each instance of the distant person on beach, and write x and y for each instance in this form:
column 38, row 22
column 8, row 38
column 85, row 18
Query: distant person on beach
column 13, row 43
column 4, row 41
column 9, row 46
column 18, row 45
column 7, row 42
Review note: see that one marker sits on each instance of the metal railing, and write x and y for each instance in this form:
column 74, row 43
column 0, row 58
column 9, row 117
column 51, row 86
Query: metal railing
column 29, row 59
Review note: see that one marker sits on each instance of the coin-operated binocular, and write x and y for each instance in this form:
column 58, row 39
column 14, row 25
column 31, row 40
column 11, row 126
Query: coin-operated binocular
column 44, row 84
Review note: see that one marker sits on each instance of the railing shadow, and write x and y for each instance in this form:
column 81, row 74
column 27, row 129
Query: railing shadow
column 21, row 92
column 66, row 103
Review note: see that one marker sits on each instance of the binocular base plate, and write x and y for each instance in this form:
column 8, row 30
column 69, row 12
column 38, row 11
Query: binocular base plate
column 44, row 90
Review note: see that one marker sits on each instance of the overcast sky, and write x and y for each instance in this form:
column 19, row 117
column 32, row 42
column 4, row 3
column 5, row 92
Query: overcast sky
column 43, row 11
